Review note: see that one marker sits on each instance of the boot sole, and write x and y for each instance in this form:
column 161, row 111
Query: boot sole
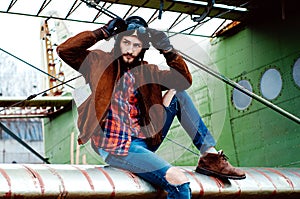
column 218, row 175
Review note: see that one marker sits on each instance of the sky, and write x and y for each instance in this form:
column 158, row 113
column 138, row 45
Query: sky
column 20, row 36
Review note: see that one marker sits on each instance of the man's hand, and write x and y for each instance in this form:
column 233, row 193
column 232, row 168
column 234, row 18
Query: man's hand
column 160, row 40
column 114, row 27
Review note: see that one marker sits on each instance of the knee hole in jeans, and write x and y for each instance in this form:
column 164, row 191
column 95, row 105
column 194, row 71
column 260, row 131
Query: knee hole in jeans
column 175, row 176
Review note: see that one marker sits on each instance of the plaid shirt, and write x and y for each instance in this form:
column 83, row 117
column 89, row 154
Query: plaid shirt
column 122, row 120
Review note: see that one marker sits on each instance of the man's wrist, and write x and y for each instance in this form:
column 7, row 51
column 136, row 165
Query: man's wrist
column 100, row 34
column 171, row 54
column 167, row 50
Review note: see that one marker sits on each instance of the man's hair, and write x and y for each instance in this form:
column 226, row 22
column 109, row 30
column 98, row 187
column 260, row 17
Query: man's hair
column 138, row 24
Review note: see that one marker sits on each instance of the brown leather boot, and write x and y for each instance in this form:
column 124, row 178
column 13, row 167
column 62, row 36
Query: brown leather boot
column 216, row 164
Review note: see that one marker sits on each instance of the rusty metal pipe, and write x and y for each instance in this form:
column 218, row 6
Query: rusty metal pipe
column 91, row 181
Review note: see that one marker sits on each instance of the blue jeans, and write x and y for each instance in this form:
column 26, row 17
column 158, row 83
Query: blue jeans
column 182, row 106
column 142, row 160
column 147, row 165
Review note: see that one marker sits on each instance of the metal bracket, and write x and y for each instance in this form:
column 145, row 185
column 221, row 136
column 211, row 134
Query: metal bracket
column 208, row 8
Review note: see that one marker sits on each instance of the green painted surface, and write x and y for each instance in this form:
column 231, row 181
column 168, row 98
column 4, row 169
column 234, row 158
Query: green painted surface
column 58, row 141
column 261, row 136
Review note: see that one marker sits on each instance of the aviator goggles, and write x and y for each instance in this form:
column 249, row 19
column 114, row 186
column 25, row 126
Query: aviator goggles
column 140, row 29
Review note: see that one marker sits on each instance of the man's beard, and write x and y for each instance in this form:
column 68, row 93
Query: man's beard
column 125, row 62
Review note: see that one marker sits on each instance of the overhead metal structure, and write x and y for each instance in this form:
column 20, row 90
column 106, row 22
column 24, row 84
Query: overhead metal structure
column 184, row 13
column 177, row 16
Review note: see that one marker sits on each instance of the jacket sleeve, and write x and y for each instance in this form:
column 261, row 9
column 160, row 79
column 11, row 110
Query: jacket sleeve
column 179, row 76
column 75, row 49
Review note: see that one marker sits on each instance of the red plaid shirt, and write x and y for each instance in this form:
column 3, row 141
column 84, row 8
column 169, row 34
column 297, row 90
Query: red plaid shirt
column 122, row 120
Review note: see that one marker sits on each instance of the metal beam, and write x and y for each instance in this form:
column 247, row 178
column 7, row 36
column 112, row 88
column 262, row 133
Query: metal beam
column 12, row 3
column 44, row 5
column 94, row 181
column 38, row 102
column 14, row 136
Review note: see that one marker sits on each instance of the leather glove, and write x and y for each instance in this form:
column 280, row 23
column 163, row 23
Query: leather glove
column 110, row 29
column 160, row 41
column 114, row 27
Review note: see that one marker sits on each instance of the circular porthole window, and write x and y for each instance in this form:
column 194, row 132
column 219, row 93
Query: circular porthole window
column 296, row 72
column 271, row 84
column 240, row 100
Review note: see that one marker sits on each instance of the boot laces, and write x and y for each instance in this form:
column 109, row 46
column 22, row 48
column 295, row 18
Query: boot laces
column 222, row 155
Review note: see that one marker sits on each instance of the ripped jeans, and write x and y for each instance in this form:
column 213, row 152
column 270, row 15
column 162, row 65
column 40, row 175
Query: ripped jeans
column 183, row 108
column 149, row 166
column 145, row 163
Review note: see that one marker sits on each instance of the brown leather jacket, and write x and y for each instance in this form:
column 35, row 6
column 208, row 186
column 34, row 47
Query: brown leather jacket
column 99, row 71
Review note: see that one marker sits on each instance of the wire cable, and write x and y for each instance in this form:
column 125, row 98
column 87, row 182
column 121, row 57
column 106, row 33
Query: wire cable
column 35, row 95
column 240, row 88
column 13, row 135
column 93, row 4
column 33, row 66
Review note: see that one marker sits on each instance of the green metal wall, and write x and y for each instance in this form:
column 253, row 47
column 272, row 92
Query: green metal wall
column 261, row 136
column 61, row 141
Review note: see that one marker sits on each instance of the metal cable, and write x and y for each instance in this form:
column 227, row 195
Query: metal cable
column 42, row 92
column 93, row 4
column 33, row 66
column 8, row 131
column 240, row 88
